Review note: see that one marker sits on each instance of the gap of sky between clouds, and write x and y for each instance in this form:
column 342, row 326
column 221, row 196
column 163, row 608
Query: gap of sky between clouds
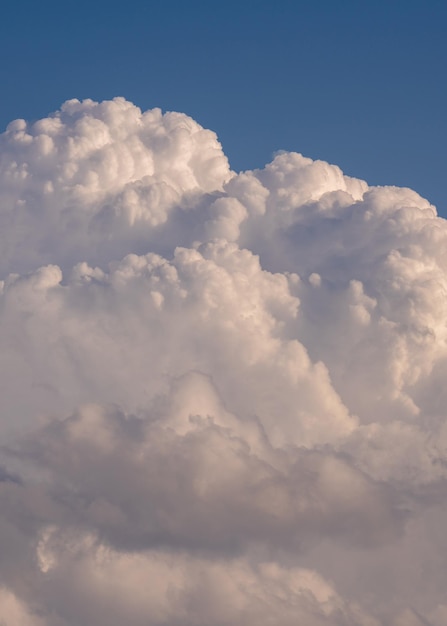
column 360, row 84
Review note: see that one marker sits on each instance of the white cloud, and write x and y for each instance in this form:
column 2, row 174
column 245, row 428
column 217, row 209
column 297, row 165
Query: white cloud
column 222, row 394
column 181, row 589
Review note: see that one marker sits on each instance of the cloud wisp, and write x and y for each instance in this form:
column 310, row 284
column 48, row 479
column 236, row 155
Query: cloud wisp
column 223, row 395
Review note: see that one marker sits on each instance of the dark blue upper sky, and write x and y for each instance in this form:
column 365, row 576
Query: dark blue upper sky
column 358, row 83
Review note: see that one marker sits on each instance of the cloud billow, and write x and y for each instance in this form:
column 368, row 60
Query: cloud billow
column 222, row 394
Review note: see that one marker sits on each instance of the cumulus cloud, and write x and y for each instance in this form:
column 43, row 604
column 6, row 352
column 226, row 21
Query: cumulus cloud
column 222, row 394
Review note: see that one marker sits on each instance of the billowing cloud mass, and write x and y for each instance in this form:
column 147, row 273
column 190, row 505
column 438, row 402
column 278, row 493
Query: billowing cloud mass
column 223, row 395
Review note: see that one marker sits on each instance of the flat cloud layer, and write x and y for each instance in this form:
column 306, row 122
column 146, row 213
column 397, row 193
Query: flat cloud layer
column 223, row 395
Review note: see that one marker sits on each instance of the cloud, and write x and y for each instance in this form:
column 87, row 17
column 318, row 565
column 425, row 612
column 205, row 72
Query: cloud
column 222, row 394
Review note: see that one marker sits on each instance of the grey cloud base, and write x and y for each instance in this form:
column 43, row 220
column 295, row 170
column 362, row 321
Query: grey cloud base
column 223, row 396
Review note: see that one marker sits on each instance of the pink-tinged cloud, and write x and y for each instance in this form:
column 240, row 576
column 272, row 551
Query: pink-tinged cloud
column 222, row 395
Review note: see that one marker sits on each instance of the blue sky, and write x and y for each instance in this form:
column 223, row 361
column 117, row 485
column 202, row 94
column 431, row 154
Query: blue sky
column 360, row 84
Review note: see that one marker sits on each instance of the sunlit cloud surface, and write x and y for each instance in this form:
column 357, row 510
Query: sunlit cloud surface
column 223, row 395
